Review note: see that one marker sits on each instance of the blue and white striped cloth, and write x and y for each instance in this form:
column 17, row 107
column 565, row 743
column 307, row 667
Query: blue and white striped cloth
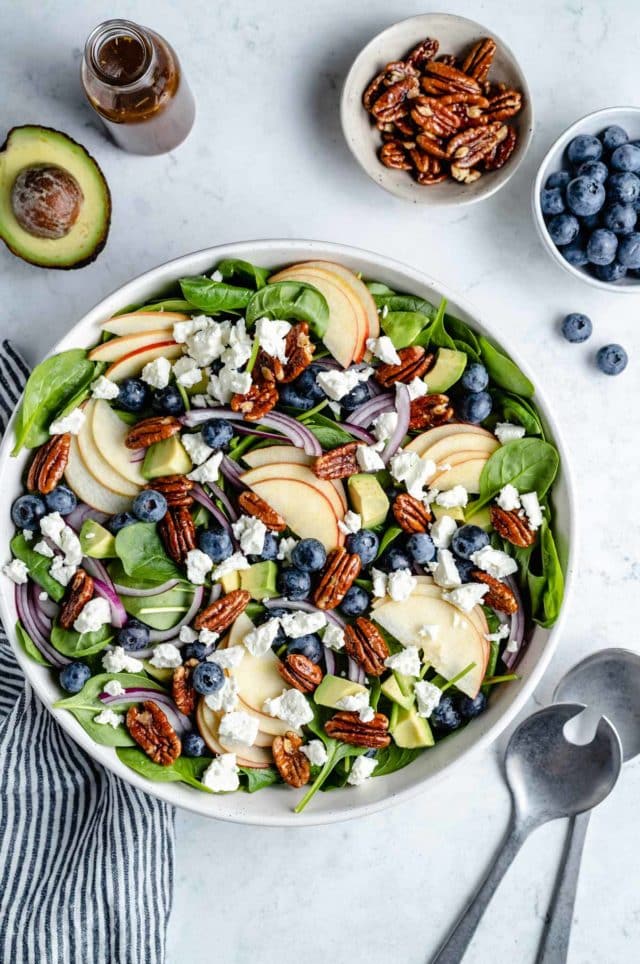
column 86, row 861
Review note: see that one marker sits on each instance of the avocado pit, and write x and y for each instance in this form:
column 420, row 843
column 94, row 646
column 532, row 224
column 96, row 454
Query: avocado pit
column 46, row 201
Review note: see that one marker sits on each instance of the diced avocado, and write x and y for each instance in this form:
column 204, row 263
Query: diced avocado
column 96, row 541
column 409, row 730
column 230, row 581
column 55, row 206
column 168, row 457
column 368, row 499
column 456, row 512
column 200, row 388
column 332, row 689
column 481, row 518
column 391, row 689
column 162, row 675
column 447, row 370
column 260, row 580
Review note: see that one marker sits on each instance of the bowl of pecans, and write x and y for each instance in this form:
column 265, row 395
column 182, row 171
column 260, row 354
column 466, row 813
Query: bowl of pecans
column 436, row 110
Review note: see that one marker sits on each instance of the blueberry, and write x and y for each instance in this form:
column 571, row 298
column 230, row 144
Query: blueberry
column 150, row 506
column 558, row 179
column 469, row 539
column 575, row 253
column 217, row 433
column 167, row 401
column 620, row 218
column 357, row 396
column 552, row 201
column 594, row 170
column 475, row 406
column 294, row 583
column 445, row 718
column 74, row 676
column 309, row 646
column 394, row 559
column 61, row 499
column 193, row 744
column 309, row 555
column 475, row 377
column 610, row 272
column 623, row 187
column 207, row 678
column 216, row 542
column 195, row 651
column 133, row 395
column 466, row 569
column 612, row 359
column 563, row 229
column 134, row 635
column 585, row 196
column 602, row 246
column 269, row 549
column 626, row 158
column 629, row 250
column 576, row 327
column 421, row 548
column 355, row 602
column 613, row 137
column 307, row 387
column 589, row 223
column 469, row 708
column 584, row 147
column 290, row 397
column 27, row 511
column 365, row 544
column 120, row 520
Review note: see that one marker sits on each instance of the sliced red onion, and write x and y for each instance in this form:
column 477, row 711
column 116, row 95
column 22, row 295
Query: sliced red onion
column 47, row 606
column 210, row 505
column 364, row 414
column 216, row 592
column 137, row 455
column 357, row 432
column 180, row 722
column 97, row 570
column 25, row 615
column 517, row 628
column 42, row 621
column 163, row 635
column 81, row 513
column 140, row 593
column 328, row 363
column 108, row 592
column 403, row 409
column 355, row 673
column 258, row 433
column 231, row 472
column 329, row 661
column 205, row 500
column 295, row 431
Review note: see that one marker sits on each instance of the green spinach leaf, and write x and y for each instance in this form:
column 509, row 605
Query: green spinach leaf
column 214, row 296
column 394, row 302
column 37, row 565
column 162, row 611
column 403, row 327
column 545, row 579
column 528, row 463
column 390, row 534
column 183, row 770
column 336, row 751
column 290, row 299
column 76, row 645
column 232, row 268
column 252, row 779
column 394, row 758
column 85, row 705
column 465, row 338
column 29, row 646
column 437, row 334
column 378, row 288
column 519, row 410
column 327, row 432
column 142, row 554
column 504, row 372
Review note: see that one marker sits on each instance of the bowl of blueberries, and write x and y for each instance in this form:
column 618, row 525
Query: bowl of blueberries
column 586, row 199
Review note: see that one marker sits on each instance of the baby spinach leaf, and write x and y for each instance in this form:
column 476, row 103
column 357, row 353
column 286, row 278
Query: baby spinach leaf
column 336, row 751
column 253, row 779
column 504, row 372
column 519, row 410
column 461, row 333
column 386, row 298
column 142, row 554
column 37, row 565
column 183, row 770
column 162, row 611
column 85, row 705
column 528, row 463
column 214, row 296
column 403, row 327
column 327, row 432
column 232, row 268
column 437, row 335
column 391, row 533
column 545, row 579
column 76, row 645
column 378, row 288
column 169, row 304
column 51, row 385
column 394, row 758
column 290, row 299
column 29, row 646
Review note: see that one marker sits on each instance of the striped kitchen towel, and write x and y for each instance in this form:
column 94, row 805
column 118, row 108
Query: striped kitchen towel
column 86, row 861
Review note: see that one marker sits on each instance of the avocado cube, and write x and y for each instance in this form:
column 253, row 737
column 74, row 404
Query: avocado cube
column 96, row 541
column 409, row 730
column 448, row 368
column 368, row 499
column 260, row 580
column 332, row 689
column 168, row 457
column 391, row 689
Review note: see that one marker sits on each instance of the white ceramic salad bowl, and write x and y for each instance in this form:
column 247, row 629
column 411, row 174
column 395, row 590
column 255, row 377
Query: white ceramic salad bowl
column 273, row 806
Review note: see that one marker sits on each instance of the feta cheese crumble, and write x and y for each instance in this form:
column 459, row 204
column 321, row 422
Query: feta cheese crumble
column 442, row 531
column 237, row 727
column 103, row 387
column 94, row 615
column 234, row 563
column 16, row 571
column 259, row 640
column 498, row 636
column 385, row 425
column 368, row 458
column 508, row 432
column 209, row 470
column 415, row 472
column 196, row 447
column 333, row 637
column 187, row 635
column 361, row 770
column 222, row 775
column 495, row 562
column 467, row 596
column 227, row 382
column 44, row 549
column 315, row 752
column 117, row 660
column 227, row 658
column 198, row 565
column 186, row 372
column 533, row 509
column 61, row 572
column 71, row 423
column 337, row 384
column 352, row 522
column 272, row 337
column 250, row 533
column 55, row 528
column 453, row 498
column 417, row 388
column 296, row 624
column 428, row 696
column 509, row 498
column 406, row 662
column 358, row 703
column 239, row 346
column 379, row 582
column 108, row 717
column 384, row 349
column 166, row 656
column 291, row 707
column 285, row 548
column 156, row 373
column 207, row 637
column 445, row 572
column 400, row 584
column 184, row 329
column 114, row 687
column 226, row 698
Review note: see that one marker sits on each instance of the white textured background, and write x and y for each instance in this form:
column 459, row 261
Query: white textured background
column 266, row 159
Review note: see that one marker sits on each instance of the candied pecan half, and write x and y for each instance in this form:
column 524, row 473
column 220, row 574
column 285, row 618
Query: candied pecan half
column 478, row 61
column 428, row 411
column 469, row 147
column 298, row 671
column 422, row 53
column 499, row 597
column 299, row 350
column 293, row 766
column 503, row 105
column 340, row 572
column 175, row 489
column 430, row 144
column 410, row 513
column 415, row 361
column 392, row 73
column 78, row 593
column 465, row 175
column 349, row 728
column 49, row 463
column 182, row 691
column 253, row 504
column 263, row 394
column 428, row 169
column 365, row 644
column 445, row 79
column 219, row 615
column 338, row 463
column 434, row 117
column 501, row 153
column 151, row 430
column 391, row 104
column 511, row 527
column 177, row 532
column 152, row 731
column 393, row 154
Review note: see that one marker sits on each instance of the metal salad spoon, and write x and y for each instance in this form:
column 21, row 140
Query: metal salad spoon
column 608, row 683
column 548, row 778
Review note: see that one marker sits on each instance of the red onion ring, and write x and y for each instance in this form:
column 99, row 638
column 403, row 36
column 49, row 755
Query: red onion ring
column 517, row 628
column 42, row 644
column 364, row 414
column 108, row 592
column 295, row 431
column 164, row 635
column 205, row 500
column 357, row 432
column 178, row 720
column 140, row 593
column 403, row 409
column 231, row 473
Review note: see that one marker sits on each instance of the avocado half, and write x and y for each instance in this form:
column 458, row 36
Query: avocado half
column 40, row 166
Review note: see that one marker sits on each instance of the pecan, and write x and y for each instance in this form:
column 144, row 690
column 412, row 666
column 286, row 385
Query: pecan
column 434, row 117
column 503, row 105
column 338, row 463
column 349, row 728
column 422, row 53
column 414, row 363
column 393, row 154
column 502, row 151
column 152, row 731
column 391, row 74
column 478, row 61
column 49, row 464
column 263, row 394
column 177, row 532
column 404, row 125
column 430, row 144
column 429, row 411
column 448, row 59
column 511, row 527
column 253, row 504
column 499, row 597
column 430, row 177
column 469, row 147
column 446, row 79
column 300, row 672
column 299, row 350
column 428, row 169
column 182, row 691
column 293, row 766
column 79, row 592
column 151, row 430
column 340, row 572
column 175, row 489
column 364, row 643
column 219, row 615
column 391, row 103
column 410, row 513
column 466, row 175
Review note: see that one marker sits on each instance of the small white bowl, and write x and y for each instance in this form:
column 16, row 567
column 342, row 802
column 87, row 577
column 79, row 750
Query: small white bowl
column 595, row 123
column 455, row 35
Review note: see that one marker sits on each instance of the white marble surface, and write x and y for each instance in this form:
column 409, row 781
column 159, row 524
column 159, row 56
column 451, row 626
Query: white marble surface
column 266, row 159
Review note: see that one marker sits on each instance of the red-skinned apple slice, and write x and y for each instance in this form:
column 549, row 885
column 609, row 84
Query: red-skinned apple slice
column 88, row 489
column 98, row 466
column 301, row 473
column 275, row 454
column 116, row 348
column 255, row 757
column 444, row 450
column 466, row 469
column 109, row 432
column 132, row 364
column 136, row 322
column 306, row 510
column 358, row 288
column 422, row 442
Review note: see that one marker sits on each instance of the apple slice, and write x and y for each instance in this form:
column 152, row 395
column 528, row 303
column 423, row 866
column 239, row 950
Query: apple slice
column 306, row 510
column 466, row 469
column 138, row 321
column 256, row 757
column 358, row 288
column 475, row 615
column 422, row 442
column 132, row 364
column 275, row 454
column 88, row 489
column 116, row 348
column 446, row 448
column 299, row 473
column 97, row 465
column 258, row 678
column 109, row 432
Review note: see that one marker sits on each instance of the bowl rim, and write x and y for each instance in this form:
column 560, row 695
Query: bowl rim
column 195, row 802
column 541, row 175
column 423, row 198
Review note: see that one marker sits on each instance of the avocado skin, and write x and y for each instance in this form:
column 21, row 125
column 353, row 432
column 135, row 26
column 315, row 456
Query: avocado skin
column 102, row 240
